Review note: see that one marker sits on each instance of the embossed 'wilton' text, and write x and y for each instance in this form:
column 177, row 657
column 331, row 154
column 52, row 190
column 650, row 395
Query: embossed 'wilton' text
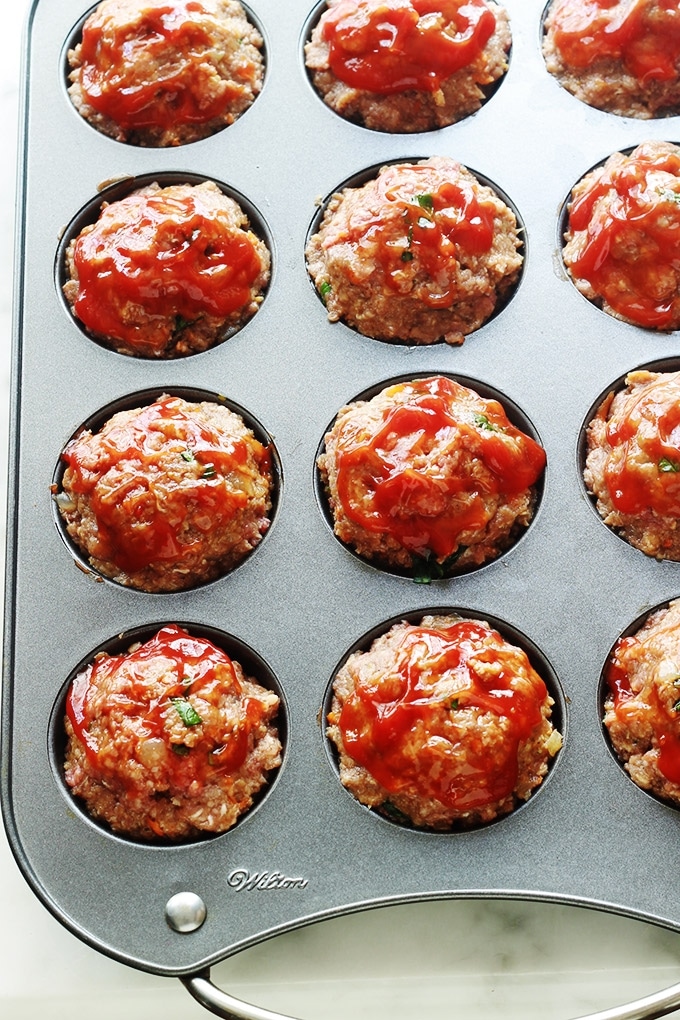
column 243, row 880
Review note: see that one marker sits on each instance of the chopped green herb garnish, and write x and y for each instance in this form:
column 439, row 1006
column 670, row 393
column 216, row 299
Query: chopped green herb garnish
column 425, row 202
column 483, row 422
column 668, row 466
column 180, row 750
column 676, row 706
column 454, row 704
column 324, row 290
column 407, row 256
column 187, row 455
column 186, row 712
column 427, row 569
column 668, row 195
column 209, row 471
column 181, row 323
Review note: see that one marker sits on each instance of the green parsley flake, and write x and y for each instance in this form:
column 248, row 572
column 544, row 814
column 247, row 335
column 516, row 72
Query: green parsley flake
column 425, row 202
column 187, row 455
column 482, row 422
column 324, row 290
column 209, row 471
column 668, row 466
column 186, row 712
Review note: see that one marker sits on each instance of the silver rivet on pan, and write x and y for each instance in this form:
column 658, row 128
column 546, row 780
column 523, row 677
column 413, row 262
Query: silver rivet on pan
column 185, row 911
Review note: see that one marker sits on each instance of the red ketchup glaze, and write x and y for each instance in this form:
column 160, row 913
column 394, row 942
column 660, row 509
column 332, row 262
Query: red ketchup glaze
column 623, row 206
column 389, row 46
column 421, row 510
column 667, row 735
column 169, row 255
column 379, row 719
column 146, row 72
column 643, row 471
column 135, row 528
column 195, row 671
column 620, row 30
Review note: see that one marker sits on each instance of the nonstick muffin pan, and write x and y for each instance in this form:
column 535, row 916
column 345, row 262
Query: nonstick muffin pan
column 302, row 601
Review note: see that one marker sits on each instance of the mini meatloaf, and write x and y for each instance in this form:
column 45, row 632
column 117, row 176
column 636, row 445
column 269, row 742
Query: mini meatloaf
column 442, row 723
column 633, row 457
column 621, row 56
column 430, row 477
column 642, row 707
column 622, row 245
column 169, row 740
column 166, row 272
column 165, row 72
column 408, row 65
column 421, row 253
column 168, row 496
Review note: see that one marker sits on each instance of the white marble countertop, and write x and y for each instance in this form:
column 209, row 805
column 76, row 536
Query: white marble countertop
column 479, row 959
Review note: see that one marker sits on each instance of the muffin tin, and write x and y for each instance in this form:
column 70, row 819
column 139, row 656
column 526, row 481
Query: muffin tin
column 302, row 601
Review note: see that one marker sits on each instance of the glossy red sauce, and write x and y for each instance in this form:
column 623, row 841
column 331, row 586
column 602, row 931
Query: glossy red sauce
column 139, row 523
column 590, row 30
column 665, row 726
column 380, row 719
column 146, row 70
column 169, row 255
column 630, row 207
column 380, row 490
column 643, row 471
column 193, row 668
column 388, row 46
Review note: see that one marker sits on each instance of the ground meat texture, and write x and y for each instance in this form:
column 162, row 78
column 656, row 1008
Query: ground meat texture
column 169, row 740
column 168, row 496
column 429, row 476
column 421, row 253
column 442, row 723
column 642, row 707
column 432, row 72
column 633, row 462
column 622, row 245
column 622, row 56
column 165, row 72
column 166, row 272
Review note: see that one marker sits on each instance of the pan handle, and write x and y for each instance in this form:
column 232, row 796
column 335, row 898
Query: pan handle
column 224, row 1005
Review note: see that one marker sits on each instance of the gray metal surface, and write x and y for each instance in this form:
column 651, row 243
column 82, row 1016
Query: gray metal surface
column 309, row 850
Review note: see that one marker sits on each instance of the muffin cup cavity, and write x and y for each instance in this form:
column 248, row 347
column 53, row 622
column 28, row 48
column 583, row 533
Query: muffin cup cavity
column 216, row 561
column 386, row 811
column 234, row 26
column 154, row 325
column 253, row 666
column 427, row 568
column 460, row 95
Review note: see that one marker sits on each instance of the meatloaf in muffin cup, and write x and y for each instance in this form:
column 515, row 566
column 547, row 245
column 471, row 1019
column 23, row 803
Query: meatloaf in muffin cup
column 442, row 723
column 167, row 496
column 633, row 458
column 622, row 242
column 621, row 56
column 408, row 65
column 169, row 740
column 430, row 477
column 166, row 271
column 421, row 253
column 642, row 705
column 165, row 72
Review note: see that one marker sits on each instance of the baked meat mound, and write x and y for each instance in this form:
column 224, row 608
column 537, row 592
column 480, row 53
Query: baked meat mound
column 622, row 243
column 169, row 740
column 166, row 272
column 633, row 462
column 408, row 65
column 642, row 707
column 421, row 253
column 430, row 477
column 168, row 496
column 165, row 72
column 443, row 724
column 621, row 56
